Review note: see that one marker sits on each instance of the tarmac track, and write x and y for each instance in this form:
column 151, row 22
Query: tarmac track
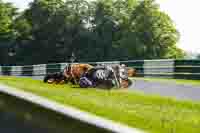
column 167, row 89
column 163, row 88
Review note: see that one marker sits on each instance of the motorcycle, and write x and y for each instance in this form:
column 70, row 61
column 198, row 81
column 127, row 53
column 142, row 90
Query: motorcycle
column 105, row 77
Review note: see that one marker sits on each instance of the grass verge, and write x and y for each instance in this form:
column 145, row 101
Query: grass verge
column 151, row 113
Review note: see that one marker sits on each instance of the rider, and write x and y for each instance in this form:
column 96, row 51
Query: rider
column 74, row 72
column 88, row 78
column 95, row 75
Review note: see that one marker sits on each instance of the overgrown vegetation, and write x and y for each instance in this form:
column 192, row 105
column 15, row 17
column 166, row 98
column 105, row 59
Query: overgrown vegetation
column 150, row 113
column 49, row 30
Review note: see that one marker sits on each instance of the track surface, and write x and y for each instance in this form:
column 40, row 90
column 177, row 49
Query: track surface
column 168, row 89
column 163, row 88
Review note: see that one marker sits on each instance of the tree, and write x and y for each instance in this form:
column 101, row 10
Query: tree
column 103, row 28
column 153, row 31
column 57, row 28
column 7, row 34
column 175, row 53
column 50, row 30
column 134, row 30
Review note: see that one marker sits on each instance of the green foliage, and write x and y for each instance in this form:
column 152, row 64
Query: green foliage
column 175, row 53
column 7, row 14
column 49, row 30
column 7, row 33
column 153, row 32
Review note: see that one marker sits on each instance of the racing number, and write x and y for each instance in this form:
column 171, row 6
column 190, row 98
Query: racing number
column 100, row 74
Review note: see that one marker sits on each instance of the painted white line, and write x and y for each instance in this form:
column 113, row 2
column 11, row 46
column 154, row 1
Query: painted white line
column 69, row 111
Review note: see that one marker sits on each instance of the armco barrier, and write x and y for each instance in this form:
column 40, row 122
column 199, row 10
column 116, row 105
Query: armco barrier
column 182, row 69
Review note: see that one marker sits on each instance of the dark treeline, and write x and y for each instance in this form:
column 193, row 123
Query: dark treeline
column 102, row 30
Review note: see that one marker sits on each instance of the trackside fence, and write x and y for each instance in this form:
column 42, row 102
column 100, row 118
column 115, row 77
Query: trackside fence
column 179, row 69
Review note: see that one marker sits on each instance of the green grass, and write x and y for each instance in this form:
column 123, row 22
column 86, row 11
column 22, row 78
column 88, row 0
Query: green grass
column 150, row 113
column 177, row 81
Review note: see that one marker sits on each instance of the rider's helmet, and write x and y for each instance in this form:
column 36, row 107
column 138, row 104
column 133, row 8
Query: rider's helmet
column 123, row 65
